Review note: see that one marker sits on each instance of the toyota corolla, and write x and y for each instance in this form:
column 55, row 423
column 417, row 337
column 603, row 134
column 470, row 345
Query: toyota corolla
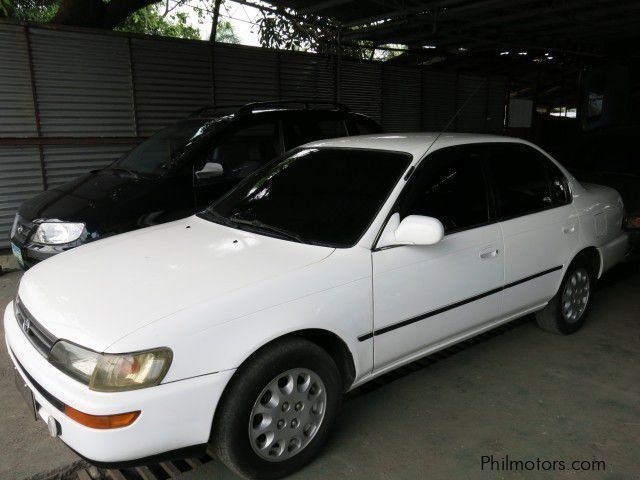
column 241, row 327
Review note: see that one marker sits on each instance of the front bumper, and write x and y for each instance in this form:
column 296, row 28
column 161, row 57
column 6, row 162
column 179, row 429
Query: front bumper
column 33, row 253
column 174, row 416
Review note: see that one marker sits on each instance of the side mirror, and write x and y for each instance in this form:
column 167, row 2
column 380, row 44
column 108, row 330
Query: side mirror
column 210, row 170
column 413, row 230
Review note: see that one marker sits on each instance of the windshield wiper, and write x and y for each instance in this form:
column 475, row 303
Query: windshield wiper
column 268, row 228
column 216, row 217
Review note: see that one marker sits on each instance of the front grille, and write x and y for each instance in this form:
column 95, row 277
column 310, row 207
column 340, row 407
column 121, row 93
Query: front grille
column 36, row 333
column 50, row 398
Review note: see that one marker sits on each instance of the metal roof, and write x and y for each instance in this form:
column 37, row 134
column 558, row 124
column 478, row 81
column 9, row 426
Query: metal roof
column 584, row 28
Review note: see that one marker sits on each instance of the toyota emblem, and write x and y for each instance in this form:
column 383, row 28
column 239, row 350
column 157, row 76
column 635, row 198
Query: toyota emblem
column 26, row 325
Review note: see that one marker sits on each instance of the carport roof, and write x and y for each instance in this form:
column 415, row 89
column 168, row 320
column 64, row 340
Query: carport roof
column 571, row 26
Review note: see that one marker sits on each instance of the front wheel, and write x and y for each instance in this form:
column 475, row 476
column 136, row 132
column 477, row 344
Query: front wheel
column 278, row 409
column 566, row 312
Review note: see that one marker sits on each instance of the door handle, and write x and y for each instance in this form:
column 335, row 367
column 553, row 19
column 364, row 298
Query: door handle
column 567, row 229
column 488, row 255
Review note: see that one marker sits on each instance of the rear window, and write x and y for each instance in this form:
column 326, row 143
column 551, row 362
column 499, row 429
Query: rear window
column 304, row 130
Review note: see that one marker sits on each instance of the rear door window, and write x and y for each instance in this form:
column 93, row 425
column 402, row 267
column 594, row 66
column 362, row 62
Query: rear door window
column 525, row 181
column 247, row 148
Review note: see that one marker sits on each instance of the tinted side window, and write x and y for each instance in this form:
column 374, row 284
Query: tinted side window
column 364, row 126
column 304, row 130
column 520, row 180
column 560, row 194
column 247, row 149
column 449, row 186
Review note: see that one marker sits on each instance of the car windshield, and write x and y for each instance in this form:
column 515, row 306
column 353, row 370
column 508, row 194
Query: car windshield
column 159, row 153
column 322, row 196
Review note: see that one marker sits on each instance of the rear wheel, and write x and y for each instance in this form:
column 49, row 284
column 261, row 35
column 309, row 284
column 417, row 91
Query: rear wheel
column 568, row 309
column 278, row 409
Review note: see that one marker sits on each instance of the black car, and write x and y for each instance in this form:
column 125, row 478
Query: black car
column 174, row 173
column 612, row 158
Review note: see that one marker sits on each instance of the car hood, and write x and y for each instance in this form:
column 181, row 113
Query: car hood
column 91, row 198
column 100, row 292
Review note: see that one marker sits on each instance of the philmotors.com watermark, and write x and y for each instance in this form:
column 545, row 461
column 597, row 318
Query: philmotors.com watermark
column 508, row 464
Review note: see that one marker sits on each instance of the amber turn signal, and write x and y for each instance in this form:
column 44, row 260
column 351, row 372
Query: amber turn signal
column 101, row 421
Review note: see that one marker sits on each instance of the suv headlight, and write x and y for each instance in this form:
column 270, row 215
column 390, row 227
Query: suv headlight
column 55, row 233
column 106, row 372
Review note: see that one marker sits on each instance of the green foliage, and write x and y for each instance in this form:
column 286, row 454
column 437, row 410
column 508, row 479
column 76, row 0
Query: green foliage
column 290, row 31
column 161, row 18
column 151, row 21
column 29, row 10
column 225, row 33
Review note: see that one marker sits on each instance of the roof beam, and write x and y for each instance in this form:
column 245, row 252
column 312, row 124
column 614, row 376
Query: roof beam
column 320, row 6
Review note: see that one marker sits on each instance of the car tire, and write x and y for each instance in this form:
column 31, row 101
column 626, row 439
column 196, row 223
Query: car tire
column 278, row 409
column 567, row 311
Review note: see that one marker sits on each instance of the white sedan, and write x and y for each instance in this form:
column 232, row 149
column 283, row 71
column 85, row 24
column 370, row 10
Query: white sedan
column 243, row 326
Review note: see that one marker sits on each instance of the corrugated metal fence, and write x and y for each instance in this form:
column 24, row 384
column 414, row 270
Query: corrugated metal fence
column 74, row 100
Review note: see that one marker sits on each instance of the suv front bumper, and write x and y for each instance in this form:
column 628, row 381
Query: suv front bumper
column 174, row 416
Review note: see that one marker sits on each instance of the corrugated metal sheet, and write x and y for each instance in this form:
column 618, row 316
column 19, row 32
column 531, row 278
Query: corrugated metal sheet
column 361, row 87
column 496, row 96
column 17, row 114
column 472, row 94
column 438, row 99
column 83, row 83
column 172, row 79
column 66, row 162
column 245, row 75
column 401, row 97
column 306, row 77
column 19, row 181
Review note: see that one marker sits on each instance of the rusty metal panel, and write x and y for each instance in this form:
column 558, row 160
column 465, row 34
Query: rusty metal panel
column 305, row 76
column 361, row 87
column 496, row 102
column 19, row 181
column 66, row 162
column 438, row 99
column 245, row 75
column 171, row 78
column 83, row 83
column 17, row 113
column 472, row 100
column 401, row 99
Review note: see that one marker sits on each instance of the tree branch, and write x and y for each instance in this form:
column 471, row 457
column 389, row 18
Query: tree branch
column 96, row 13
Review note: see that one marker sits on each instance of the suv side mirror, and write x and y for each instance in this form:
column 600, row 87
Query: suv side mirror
column 210, row 170
column 413, row 230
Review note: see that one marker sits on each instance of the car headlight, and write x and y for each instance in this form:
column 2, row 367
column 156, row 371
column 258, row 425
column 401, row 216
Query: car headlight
column 106, row 372
column 55, row 233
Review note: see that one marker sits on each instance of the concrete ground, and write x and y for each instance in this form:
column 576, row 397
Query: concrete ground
column 523, row 393
column 27, row 450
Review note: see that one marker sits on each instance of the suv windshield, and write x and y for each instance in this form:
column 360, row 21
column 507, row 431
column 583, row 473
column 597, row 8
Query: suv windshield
column 159, row 153
column 325, row 196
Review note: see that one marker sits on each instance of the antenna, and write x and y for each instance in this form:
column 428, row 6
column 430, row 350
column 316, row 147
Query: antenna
column 455, row 115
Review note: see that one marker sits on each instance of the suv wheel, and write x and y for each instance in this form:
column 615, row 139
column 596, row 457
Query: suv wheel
column 278, row 409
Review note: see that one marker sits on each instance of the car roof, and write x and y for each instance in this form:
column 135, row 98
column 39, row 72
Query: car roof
column 416, row 144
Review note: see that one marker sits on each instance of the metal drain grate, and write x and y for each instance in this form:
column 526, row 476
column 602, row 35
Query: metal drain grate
column 166, row 470
column 159, row 471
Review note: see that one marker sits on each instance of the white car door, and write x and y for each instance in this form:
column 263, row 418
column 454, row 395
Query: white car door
column 539, row 223
column 427, row 295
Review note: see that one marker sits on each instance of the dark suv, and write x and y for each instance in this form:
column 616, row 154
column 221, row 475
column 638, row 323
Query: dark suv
column 174, row 173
